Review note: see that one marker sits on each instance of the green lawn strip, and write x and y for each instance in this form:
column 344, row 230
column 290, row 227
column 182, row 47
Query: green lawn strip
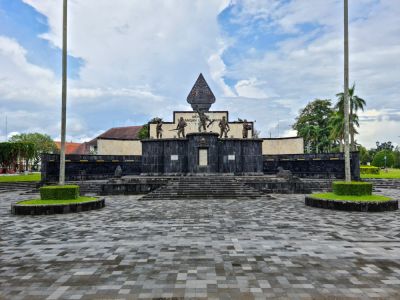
column 20, row 178
column 56, row 202
column 390, row 174
column 365, row 198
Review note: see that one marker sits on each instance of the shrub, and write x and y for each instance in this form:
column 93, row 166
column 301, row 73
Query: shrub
column 396, row 156
column 355, row 188
column 369, row 170
column 62, row 192
column 379, row 159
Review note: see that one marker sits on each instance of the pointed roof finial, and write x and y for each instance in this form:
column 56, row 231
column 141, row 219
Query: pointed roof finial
column 201, row 97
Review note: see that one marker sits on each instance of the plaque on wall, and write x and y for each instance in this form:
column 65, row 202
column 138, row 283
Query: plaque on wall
column 174, row 157
column 203, row 157
column 231, row 157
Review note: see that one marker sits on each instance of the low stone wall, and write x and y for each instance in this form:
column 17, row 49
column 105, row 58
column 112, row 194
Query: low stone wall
column 52, row 209
column 89, row 167
column 323, row 165
column 352, row 206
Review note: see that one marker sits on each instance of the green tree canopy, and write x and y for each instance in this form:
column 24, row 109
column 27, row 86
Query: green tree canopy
column 43, row 143
column 313, row 124
column 379, row 159
column 144, row 132
column 13, row 152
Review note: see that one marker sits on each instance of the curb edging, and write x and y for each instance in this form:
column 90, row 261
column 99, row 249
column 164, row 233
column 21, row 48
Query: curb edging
column 51, row 209
column 390, row 205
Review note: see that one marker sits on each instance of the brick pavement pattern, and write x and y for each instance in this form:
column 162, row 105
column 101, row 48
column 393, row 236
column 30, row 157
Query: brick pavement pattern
column 222, row 249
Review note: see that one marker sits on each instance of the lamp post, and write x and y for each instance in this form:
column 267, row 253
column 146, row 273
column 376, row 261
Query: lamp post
column 346, row 93
column 63, row 96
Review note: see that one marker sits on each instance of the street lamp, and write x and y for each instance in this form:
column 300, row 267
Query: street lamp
column 63, row 96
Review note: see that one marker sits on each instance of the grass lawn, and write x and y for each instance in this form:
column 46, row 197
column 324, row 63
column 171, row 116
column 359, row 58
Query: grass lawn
column 365, row 198
column 47, row 202
column 391, row 174
column 20, row 178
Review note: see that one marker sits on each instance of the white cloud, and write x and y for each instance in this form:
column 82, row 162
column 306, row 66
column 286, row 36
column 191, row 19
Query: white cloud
column 140, row 59
column 250, row 89
column 310, row 65
column 22, row 81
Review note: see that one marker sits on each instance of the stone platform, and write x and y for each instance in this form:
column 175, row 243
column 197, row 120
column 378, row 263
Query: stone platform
column 228, row 186
column 274, row 248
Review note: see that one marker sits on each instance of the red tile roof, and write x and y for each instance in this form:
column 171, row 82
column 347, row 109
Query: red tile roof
column 70, row 148
column 116, row 133
column 121, row 133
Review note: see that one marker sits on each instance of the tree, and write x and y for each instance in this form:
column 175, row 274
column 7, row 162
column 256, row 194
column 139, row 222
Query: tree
column 379, row 159
column 42, row 143
column 396, row 156
column 13, row 153
column 337, row 127
column 313, row 124
column 365, row 157
column 356, row 103
column 144, row 132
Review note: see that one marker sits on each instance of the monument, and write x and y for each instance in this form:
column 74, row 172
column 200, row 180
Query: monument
column 202, row 141
column 198, row 141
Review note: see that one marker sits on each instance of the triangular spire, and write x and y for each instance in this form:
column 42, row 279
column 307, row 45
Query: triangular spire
column 201, row 97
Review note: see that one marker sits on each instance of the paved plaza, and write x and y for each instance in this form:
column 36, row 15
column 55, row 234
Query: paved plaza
column 255, row 249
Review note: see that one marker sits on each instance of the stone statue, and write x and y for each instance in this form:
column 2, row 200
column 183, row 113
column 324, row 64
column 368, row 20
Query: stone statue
column 118, row 172
column 159, row 129
column 224, row 127
column 246, row 127
column 282, row 173
column 181, row 127
column 203, row 121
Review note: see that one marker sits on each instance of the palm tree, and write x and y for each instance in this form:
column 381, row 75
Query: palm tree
column 356, row 103
column 336, row 123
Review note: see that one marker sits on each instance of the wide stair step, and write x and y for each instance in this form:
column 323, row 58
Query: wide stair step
column 204, row 188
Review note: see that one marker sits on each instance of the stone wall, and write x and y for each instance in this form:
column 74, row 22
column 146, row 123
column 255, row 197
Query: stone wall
column 89, row 167
column 323, row 165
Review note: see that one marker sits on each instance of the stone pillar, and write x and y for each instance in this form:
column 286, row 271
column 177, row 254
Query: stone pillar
column 175, row 156
column 153, row 157
column 252, row 159
column 230, row 156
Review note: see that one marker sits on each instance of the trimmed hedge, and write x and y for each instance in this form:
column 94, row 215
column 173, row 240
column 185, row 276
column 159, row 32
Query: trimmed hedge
column 369, row 170
column 355, row 188
column 59, row 192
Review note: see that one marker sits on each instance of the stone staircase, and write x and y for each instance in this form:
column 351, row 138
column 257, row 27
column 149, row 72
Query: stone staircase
column 379, row 184
column 89, row 187
column 207, row 187
column 18, row 186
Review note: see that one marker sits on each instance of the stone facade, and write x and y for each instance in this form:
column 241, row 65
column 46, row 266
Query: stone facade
column 202, row 153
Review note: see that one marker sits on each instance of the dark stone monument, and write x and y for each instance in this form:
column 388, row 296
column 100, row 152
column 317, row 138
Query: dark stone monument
column 201, row 97
column 202, row 153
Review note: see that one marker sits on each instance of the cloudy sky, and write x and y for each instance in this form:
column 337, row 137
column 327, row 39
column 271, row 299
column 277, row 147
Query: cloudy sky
column 131, row 60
